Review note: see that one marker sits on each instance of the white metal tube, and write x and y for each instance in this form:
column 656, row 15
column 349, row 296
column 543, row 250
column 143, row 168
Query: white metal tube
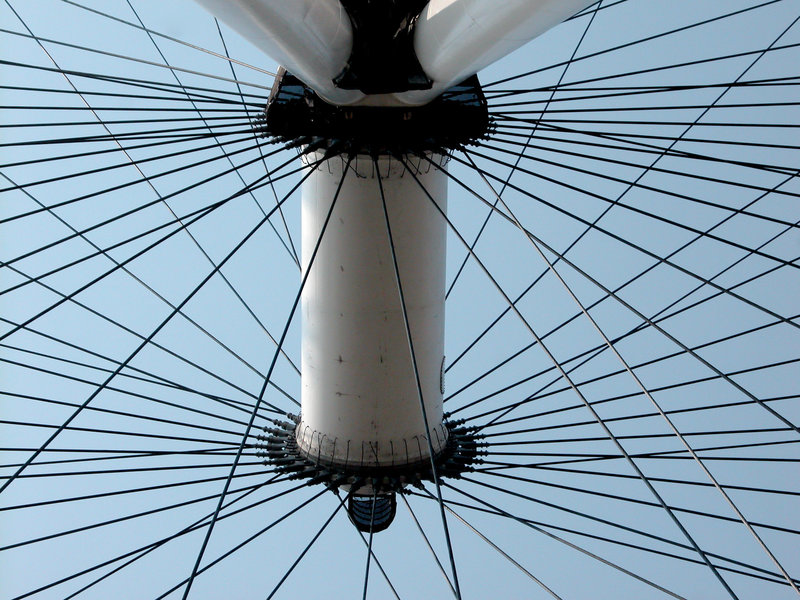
column 457, row 38
column 311, row 38
column 360, row 402
column 453, row 38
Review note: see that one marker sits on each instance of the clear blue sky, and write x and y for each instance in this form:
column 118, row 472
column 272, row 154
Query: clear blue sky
column 579, row 161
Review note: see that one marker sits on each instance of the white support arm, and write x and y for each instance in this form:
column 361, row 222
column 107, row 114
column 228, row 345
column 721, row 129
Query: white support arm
column 311, row 38
column 457, row 38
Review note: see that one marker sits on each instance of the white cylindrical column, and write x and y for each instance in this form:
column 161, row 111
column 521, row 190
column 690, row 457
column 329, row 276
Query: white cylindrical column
column 360, row 401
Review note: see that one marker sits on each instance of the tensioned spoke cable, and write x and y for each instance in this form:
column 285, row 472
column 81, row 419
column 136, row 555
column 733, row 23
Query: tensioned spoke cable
column 650, row 397
column 682, row 482
column 655, row 325
column 428, row 543
column 583, row 399
column 643, row 148
column 142, row 345
column 107, row 455
column 173, row 134
column 238, row 120
column 124, row 185
column 541, row 394
column 592, row 353
column 627, row 91
column 628, row 137
column 719, row 124
column 654, row 169
column 116, row 520
column 632, row 279
column 523, row 149
column 658, row 318
column 369, row 544
column 617, row 203
column 120, row 265
column 86, row 154
column 278, row 204
column 70, row 298
column 552, row 269
column 145, row 377
column 199, row 92
column 197, row 213
column 649, row 416
column 155, row 137
column 753, row 571
column 121, row 165
column 656, row 405
column 587, row 457
column 246, row 541
column 591, row 9
column 658, row 107
column 372, row 553
column 122, row 413
column 640, row 436
column 115, row 432
column 276, row 354
column 529, row 442
column 628, row 146
column 143, row 553
column 141, row 235
column 163, row 200
column 567, row 543
column 291, row 252
column 235, row 106
column 113, row 453
column 307, row 548
column 628, row 141
column 274, row 192
column 231, row 403
column 148, row 145
column 27, row 108
column 138, row 490
column 673, row 141
column 413, row 356
column 631, row 500
column 676, row 454
column 140, row 552
column 506, row 410
column 151, row 378
column 615, row 523
column 502, row 553
column 644, row 251
column 600, row 92
column 593, row 92
column 129, row 58
column 99, row 472
column 619, row 288
column 151, row 33
column 641, row 41
column 232, row 112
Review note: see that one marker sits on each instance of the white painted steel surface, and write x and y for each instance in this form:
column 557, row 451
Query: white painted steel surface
column 453, row 39
column 311, row 38
column 457, row 38
column 360, row 402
